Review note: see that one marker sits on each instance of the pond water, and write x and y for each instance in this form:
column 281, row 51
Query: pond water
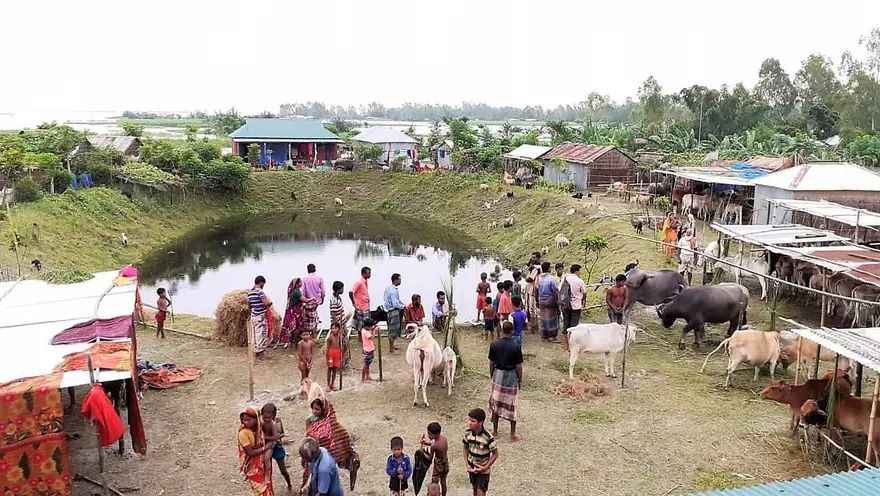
column 199, row 268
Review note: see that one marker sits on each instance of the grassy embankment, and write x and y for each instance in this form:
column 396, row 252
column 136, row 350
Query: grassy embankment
column 82, row 230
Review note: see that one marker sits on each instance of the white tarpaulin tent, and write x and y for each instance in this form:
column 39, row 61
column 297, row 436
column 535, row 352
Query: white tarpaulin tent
column 32, row 312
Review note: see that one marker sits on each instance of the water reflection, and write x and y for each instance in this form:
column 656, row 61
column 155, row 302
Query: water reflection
column 200, row 267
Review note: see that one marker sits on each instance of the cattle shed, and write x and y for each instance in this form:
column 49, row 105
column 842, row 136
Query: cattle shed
column 778, row 234
column 588, row 165
column 734, row 184
column 860, row 483
column 286, row 142
column 393, row 143
column 844, row 183
column 48, row 335
column 857, row 223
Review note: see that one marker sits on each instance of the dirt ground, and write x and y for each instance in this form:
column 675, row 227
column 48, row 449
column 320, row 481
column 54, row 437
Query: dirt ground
column 671, row 431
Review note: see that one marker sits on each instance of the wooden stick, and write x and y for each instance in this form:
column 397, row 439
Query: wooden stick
column 97, row 434
column 871, row 422
column 625, row 349
column 93, row 481
column 797, row 370
column 178, row 331
column 251, row 358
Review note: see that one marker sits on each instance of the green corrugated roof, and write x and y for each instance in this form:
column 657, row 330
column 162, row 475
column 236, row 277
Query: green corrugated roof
column 295, row 129
column 861, row 483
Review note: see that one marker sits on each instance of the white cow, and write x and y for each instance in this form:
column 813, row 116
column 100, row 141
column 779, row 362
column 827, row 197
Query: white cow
column 758, row 265
column 449, row 364
column 697, row 203
column 753, row 347
column 607, row 339
column 424, row 355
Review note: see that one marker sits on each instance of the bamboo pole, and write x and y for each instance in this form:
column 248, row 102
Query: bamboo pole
column 821, row 324
column 859, row 376
column 379, row 353
column 625, row 349
column 832, row 395
column 251, row 358
column 97, row 434
column 797, row 369
column 872, row 421
column 773, row 304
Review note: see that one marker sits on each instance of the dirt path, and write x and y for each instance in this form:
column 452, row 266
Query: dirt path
column 671, row 431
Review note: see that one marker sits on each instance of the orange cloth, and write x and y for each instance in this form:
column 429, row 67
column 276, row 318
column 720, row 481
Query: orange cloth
column 165, row 378
column 111, row 355
column 97, row 407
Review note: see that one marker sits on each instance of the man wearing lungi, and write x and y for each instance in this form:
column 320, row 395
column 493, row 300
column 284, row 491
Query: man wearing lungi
column 505, row 368
column 394, row 307
column 360, row 299
column 259, row 304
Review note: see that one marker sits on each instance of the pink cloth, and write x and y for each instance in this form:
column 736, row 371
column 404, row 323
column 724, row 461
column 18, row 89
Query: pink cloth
column 361, row 293
column 84, row 332
column 313, row 287
column 129, row 271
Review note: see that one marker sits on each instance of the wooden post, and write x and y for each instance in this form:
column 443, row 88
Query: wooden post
column 821, row 325
column 859, row 376
column 625, row 349
column 856, row 236
column 872, row 421
column 379, row 352
column 251, row 357
column 797, row 369
column 832, row 394
column 773, row 313
column 97, row 434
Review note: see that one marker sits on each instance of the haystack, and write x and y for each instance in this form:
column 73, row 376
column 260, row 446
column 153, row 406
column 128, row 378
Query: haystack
column 231, row 316
column 584, row 385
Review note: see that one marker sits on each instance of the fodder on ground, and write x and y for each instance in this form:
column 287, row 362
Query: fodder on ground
column 584, row 385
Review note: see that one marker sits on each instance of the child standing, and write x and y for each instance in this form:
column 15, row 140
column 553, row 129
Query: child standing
column 369, row 348
column 337, row 311
column 480, row 451
column 305, row 349
column 334, row 355
column 505, row 305
column 433, row 489
column 489, row 318
column 273, row 431
column 439, row 446
column 162, row 304
column 496, row 302
column 398, row 468
column 519, row 319
column 483, row 288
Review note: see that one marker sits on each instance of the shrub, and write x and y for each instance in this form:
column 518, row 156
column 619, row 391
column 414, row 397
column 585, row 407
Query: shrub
column 57, row 176
column 230, row 174
column 100, row 173
column 26, row 190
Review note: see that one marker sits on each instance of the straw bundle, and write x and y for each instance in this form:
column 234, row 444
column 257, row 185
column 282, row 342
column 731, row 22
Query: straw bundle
column 583, row 386
column 230, row 318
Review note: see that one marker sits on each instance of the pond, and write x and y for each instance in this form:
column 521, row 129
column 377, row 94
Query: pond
column 199, row 268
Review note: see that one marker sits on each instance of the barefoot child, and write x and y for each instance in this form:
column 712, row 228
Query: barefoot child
column 367, row 334
column 433, row 489
column 306, row 351
column 489, row 319
column 398, row 467
column 162, row 304
column 439, row 445
column 273, row 431
column 334, row 355
column 483, row 288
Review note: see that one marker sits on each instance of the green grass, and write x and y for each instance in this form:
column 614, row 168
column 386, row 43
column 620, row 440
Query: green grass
column 181, row 123
column 716, row 481
column 592, row 417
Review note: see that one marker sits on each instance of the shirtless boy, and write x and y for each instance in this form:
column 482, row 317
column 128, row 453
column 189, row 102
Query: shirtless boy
column 306, row 351
column 162, row 304
column 334, row 355
column 615, row 298
column 439, row 446
column 273, row 431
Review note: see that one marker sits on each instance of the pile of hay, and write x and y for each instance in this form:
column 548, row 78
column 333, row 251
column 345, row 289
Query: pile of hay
column 583, row 386
column 231, row 318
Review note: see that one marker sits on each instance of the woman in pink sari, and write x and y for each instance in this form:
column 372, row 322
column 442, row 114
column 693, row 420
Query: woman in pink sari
column 291, row 326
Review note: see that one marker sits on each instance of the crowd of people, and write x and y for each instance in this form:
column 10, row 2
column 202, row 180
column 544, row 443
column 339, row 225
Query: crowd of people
column 543, row 298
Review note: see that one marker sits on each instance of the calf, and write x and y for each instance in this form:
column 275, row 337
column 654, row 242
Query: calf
column 758, row 265
column 424, row 355
column 607, row 339
column 796, row 396
column 789, row 351
column 752, row 347
column 450, row 363
column 850, row 413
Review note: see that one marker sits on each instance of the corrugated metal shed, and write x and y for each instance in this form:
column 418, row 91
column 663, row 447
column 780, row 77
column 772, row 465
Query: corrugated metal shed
column 578, row 153
column 860, row 483
column 850, row 216
column 528, row 152
column 382, row 135
column 858, row 262
column 710, row 175
column 284, row 130
column 861, row 345
column 780, row 234
column 823, row 176
column 119, row 143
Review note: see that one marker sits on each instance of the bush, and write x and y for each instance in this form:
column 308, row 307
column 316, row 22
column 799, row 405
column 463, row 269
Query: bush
column 567, row 187
column 230, row 175
column 100, row 173
column 26, row 190
column 57, row 176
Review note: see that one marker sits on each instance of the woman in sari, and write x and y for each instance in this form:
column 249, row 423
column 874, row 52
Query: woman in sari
column 251, row 452
column 291, row 327
column 324, row 427
column 670, row 233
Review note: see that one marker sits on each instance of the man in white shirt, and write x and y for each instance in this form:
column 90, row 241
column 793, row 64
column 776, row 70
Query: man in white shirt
column 686, row 254
column 571, row 310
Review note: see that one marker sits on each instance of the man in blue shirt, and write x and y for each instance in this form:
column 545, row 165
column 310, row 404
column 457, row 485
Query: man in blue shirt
column 394, row 307
column 325, row 475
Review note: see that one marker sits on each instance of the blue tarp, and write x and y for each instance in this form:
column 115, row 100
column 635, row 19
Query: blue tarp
column 746, row 171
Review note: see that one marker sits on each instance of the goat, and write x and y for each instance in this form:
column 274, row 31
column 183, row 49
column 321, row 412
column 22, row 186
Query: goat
column 638, row 225
column 571, row 212
column 338, row 201
column 493, row 225
column 509, row 221
column 510, row 194
column 36, row 264
column 530, row 185
column 545, row 250
column 561, row 241
column 484, row 186
column 577, row 196
column 124, row 239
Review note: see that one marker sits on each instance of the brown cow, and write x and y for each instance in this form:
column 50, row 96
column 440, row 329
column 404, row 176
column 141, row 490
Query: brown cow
column 796, row 396
column 850, row 413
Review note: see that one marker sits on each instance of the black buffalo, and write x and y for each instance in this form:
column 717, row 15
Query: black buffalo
column 701, row 305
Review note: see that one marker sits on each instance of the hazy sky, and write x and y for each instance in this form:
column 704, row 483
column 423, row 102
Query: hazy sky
column 190, row 54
